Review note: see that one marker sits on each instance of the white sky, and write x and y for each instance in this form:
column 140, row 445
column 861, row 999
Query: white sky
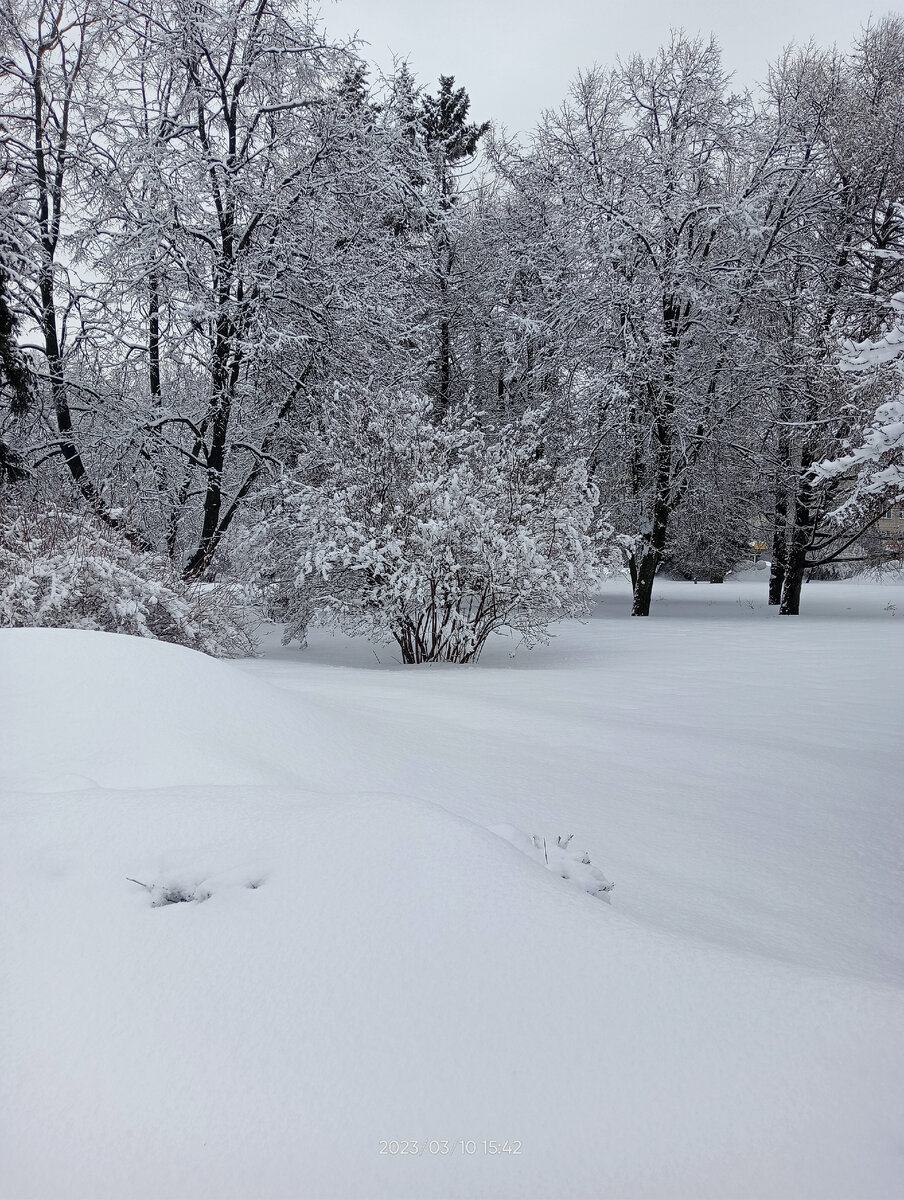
column 516, row 59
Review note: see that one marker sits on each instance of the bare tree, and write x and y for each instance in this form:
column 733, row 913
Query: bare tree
column 50, row 120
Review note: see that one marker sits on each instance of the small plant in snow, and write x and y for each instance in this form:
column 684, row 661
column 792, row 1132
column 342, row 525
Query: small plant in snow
column 435, row 535
column 163, row 894
column 70, row 570
column 576, row 868
column 178, row 891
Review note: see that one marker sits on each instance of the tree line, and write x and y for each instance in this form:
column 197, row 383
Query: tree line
column 265, row 319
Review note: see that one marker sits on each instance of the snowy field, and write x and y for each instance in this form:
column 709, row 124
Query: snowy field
column 366, row 993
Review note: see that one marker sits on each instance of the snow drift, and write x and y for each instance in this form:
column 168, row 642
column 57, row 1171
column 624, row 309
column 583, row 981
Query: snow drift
column 375, row 970
column 83, row 709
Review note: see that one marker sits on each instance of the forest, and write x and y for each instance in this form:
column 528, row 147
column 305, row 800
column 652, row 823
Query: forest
column 275, row 333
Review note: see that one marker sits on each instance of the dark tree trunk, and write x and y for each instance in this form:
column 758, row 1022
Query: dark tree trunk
column 801, row 538
column 444, row 352
column 211, row 531
column 59, row 393
column 780, row 520
column 776, row 579
column 154, row 336
column 779, row 546
column 155, row 387
column 225, row 375
column 643, row 587
column 651, row 555
column 445, row 367
column 794, row 580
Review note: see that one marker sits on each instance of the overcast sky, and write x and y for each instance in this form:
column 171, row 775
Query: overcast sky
column 517, row 58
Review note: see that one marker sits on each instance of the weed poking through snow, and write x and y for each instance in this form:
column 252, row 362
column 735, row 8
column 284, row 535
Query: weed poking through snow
column 567, row 864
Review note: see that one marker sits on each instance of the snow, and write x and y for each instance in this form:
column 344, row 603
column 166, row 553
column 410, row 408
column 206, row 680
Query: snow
column 108, row 710
column 359, row 959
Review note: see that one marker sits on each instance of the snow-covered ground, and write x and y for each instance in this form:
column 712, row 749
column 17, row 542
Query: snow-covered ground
column 362, row 969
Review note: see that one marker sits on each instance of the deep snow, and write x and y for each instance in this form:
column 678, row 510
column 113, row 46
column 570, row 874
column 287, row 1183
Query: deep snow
column 365, row 961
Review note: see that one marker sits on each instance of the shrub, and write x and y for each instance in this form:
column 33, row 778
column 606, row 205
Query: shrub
column 434, row 535
column 70, row 570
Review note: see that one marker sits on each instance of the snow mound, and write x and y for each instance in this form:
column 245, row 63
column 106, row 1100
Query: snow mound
column 555, row 855
column 400, row 975
column 82, row 709
column 750, row 572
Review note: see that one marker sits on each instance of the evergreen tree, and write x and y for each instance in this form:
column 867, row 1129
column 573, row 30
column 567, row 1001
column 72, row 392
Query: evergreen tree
column 450, row 141
column 16, row 382
column 449, row 137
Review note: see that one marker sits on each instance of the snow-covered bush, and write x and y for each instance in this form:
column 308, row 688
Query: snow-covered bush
column 70, row 570
column 434, row 534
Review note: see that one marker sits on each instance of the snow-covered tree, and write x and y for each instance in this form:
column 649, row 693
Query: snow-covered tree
column 16, row 376
column 434, row 534
column 244, row 161
column 53, row 52
column 451, row 141
column 875, row 465
column 647, row 172
column 838, row 115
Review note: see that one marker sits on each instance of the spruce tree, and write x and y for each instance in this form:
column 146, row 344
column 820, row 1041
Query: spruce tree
column 16, row 383
column 449, row 137
column 450, row 140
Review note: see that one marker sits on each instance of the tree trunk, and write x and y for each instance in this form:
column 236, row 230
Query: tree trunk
column 444, row 350
column 801, row 537
column 154, row 337
column 59, row 393
column 780, row 520
column 198, row 563
column 643, row 587
column 794, row 579
column 225, row 372
column 445, row 367
column 779, row 546
column 776, row 580
column 654, row 545
column 632, row 571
